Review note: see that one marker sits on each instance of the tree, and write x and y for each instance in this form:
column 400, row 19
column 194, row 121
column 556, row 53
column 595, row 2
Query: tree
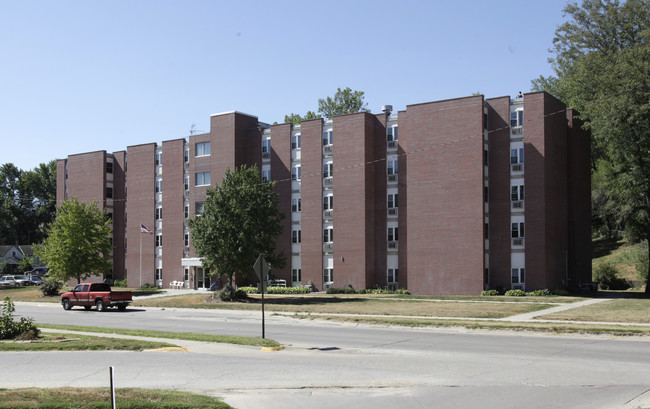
column 78, row 243
column 296, row 118
column 240, row 220
column 602, row 66
column 344, row 102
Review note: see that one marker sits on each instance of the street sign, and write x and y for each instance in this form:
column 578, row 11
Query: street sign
column 261, row 268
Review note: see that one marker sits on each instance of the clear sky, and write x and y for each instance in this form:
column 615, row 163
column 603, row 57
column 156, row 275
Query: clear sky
column 87, row 75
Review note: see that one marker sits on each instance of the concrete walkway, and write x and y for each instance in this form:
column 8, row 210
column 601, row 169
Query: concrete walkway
column 531, row 315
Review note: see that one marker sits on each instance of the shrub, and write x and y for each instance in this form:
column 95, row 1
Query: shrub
column 249, row 290
column 287, row 290
column 490, row 293
column 346, row 290
column 539, row 293
column 560, row 292
column 51, row 287
column 227, row 293
column 605, row 274
column 642, row 266
column 10, row 329
column 515, row 293
column 122, row 283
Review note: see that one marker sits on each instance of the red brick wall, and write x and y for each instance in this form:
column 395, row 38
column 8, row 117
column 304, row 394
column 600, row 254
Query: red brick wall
column 173, row 221
column 281, row 175
column 140, row 210
column 312, row 202
column 445, row 196
column 499, row 180
column 87, row 177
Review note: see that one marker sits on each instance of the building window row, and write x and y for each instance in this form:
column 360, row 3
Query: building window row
column 158, row 213
column 328, row 275
column 328, row 235
column 295, row 141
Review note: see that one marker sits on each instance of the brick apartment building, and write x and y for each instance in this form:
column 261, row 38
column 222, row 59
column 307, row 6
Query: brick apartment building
column 446, row 197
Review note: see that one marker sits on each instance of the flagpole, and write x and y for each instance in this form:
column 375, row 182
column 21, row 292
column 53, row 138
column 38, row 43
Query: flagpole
column 140, row 259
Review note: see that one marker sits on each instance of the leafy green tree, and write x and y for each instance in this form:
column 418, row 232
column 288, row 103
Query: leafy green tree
column 78, row 243
column 296, row 118
column 344, row 102
column 602, row 67
column 240, row 220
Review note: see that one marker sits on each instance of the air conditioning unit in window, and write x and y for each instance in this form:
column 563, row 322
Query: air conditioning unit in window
column 392, row 245
column 392, row 211
column 328, row 246
column 392, row 144
column 326, row 286
column 392, row 178
column 393, row 286
column 517, row 167
column 517, row 286
column 328, row 213
column 327, row 149
column 187, row 165
column 266, row 156
column 186, row 193
column 518, row 130
column 518, row 242
column 327, row 181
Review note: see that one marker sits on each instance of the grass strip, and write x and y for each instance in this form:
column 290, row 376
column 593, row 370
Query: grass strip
column 556, row 328
column 97, row 398
column 188, row 336
column 73, row 342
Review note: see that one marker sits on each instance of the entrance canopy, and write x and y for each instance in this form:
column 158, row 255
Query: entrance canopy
column 191, row 262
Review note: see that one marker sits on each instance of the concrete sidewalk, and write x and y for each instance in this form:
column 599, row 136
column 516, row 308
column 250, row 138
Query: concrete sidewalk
column 531, row 315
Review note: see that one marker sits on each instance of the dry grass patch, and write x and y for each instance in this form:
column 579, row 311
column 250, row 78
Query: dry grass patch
column 358, row 305
column 32, row 293
column 620, row 310
column 86, row 398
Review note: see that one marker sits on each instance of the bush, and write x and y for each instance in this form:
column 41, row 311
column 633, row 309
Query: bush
column 490, row 293
column 227, row 293
column 642, row 266
column 605, row 274
column 346, row 290
column 122, row 283
column 539, row 293
column 515, row 293
column 10, row 329
column 249, row 290
column 560, row 292
column 51, row 287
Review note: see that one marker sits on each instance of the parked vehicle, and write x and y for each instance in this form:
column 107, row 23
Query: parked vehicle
column 39, row 271
column 8, row 282
column 22, row 280
column 35, row 280
column 99, row 295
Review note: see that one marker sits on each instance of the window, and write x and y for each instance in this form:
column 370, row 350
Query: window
column 158, row 213
column 158, row 274
column 328, row 275
column 158, row 240
column 186, row 274
column 486, row 231
column 158, row 158
column 296, row 274
column 295, row 141
column 186, row 239
column 187, row 182
column 158, row 186
column 393, row 234
column 328, row 203
column 266, row 146
column 517, row 230
column 486, row 194
column 517, row 155
column 109, row 167
column 295, row 236
column 392, row 166
column 109, row 216
column 485, row 157
column 295, row 172
column 198, row 207
column 392, row 134
column 517, row 118
column 517, row 192
column 296, row 205
column 392, row 200
column 485, row 120
column 327, row 170
column 186, row 155
column 186, row 211
column 109, row 192
column 518, row 275
column 328, row 235
column 392, row 275
column 202, row 149
column 266, row 175
column 202, row 178
column 327, row 138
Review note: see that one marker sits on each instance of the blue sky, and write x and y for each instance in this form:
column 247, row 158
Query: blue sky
column 80, row 76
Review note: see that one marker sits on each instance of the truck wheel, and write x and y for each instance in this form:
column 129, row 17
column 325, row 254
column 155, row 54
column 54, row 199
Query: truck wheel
column 101, row 307
column 66, row 304
column 121, row 307
column 87, row 307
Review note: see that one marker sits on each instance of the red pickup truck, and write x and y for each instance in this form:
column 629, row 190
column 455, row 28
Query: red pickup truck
column 96, row 294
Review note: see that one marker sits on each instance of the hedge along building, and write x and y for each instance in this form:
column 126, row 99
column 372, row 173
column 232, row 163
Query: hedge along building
column 446, row 197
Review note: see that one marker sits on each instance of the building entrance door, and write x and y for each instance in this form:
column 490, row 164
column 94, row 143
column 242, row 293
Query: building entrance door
column 201, row 281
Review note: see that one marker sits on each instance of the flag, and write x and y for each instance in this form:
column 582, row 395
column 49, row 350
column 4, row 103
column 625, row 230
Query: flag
column 145, row 230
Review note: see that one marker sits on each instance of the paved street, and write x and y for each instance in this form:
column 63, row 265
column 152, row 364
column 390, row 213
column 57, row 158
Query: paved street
column 332, row 365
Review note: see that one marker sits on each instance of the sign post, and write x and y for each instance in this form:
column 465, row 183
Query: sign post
column 262, row 268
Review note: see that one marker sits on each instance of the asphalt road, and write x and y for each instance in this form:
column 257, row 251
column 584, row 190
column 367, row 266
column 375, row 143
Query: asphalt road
column 332, row 365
